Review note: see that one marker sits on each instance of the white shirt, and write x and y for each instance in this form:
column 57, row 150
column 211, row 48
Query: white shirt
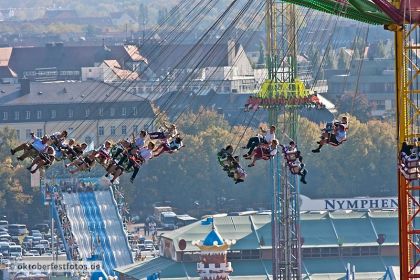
column 273, row 152
column 290, row 149
column 269, row 137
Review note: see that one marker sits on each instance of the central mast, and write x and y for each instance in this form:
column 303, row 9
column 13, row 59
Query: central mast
column 282, row 83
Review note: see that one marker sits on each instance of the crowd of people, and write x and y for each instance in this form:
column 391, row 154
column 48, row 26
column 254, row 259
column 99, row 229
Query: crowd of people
column 125, row 156
column 128, row 155
column 264, row 146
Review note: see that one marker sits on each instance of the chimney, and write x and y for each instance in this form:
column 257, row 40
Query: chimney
column 231, row 45
column 25, row 86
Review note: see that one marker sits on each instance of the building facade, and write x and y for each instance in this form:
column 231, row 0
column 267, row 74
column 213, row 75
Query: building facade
column 89, row 111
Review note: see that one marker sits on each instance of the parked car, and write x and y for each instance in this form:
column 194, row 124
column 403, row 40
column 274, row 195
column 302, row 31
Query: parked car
column 35, row 232
column 15, row 251
column 45, row 243
column 17, row 229
column 36, row 239
column 33, row 253
column 44, row 228
column 4, row 248
column 4, row 224
column 40, row 248
column 16, row 239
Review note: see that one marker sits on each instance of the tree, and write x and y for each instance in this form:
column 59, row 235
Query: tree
column 18, row 200
column 356, row 104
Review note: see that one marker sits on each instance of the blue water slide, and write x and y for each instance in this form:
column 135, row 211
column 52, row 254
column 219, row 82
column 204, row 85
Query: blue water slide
column 97, row 228
column 114, row 227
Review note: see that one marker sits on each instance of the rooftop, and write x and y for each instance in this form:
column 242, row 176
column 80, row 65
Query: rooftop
column 63, row 92
column 328, row 229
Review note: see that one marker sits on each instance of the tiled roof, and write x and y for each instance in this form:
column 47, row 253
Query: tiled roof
column 121, row 73
column 69, row 58
column 64, row 92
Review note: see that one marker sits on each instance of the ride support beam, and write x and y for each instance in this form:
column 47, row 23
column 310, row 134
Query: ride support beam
column 407, row 116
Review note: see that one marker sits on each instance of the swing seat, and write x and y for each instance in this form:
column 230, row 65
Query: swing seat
column 410, row 174
column 411, row 161
column 335, row 145
column 290, row 157
column 294, row 169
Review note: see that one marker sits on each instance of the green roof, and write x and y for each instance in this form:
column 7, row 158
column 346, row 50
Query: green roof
column 319, row 229
column 169, row 269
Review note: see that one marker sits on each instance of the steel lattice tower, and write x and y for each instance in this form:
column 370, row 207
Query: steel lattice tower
column 282, row 73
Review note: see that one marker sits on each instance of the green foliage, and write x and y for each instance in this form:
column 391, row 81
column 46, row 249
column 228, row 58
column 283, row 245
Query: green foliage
column 356, row 104
column 18, row 200
column 360, row 167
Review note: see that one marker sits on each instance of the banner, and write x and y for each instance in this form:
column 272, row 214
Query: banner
column 362, row 203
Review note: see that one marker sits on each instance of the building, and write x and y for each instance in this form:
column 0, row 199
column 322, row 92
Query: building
column 89, row 111
column 376, row 81
column 223, row 67
column 57, row 62
column 213, row 263
column 366, row 239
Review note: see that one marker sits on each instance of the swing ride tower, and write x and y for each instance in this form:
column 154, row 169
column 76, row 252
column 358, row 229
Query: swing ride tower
column 399, row 16
column 403, row 18
column 280, row 88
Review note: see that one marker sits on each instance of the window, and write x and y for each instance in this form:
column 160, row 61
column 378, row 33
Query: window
column 28, row 115
column 28, row 134
column 4, row 116
column 101, row 111
column 53, row 114
column 124, row 130
column 135, row 129
column 134, row 111
column 16, row 115
column 17, row 134
column 112, row 130
column 70, row 113
column 101, row 131
column 112, row 111
column 70, row 130
column 39, row 132
column 123, row 111
column 38, row 115
column 87, row 112
column 88, row 140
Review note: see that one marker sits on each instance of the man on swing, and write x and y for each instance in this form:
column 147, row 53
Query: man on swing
column 334, row 137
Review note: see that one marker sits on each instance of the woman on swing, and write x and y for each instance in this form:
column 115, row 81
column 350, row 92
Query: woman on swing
column 264, row 151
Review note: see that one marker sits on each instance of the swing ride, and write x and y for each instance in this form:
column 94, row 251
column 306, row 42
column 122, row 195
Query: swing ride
column 281, row 94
